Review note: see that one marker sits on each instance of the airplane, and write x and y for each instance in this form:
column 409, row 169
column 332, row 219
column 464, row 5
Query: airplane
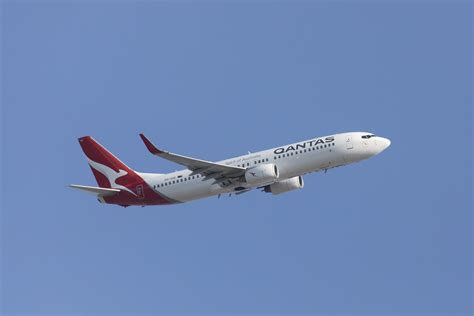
column 277, row 170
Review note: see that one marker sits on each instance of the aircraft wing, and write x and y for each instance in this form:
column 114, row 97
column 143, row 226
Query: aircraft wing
column 208, row 169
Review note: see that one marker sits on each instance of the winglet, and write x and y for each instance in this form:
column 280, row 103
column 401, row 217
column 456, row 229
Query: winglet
column 149, row 145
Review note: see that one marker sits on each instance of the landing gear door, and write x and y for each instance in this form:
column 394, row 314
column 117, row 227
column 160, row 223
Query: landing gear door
column 349, row 144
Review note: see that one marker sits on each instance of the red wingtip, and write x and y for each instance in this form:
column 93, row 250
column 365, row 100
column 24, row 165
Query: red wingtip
column 81, row 139
column 151, row 148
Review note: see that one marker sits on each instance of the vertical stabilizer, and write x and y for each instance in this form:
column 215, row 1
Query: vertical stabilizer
column 108, row 170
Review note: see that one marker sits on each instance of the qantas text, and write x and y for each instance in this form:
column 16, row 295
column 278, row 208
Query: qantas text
column 310, row 143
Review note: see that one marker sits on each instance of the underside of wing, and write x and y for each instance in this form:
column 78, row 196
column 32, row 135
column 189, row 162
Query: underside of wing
column 221, row 173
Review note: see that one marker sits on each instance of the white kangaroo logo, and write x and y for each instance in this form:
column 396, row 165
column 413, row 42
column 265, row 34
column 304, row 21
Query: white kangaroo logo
column 111, row 175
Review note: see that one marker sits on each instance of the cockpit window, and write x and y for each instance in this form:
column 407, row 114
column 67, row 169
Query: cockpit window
column 368, row 136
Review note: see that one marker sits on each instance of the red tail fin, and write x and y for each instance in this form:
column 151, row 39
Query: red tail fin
column 110, row 172
column 107, row 169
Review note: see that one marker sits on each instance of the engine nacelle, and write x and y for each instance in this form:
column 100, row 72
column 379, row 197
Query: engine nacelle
column 262, row 174
column 285, row 185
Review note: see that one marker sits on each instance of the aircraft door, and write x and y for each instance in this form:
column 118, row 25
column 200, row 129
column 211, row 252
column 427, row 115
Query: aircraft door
column 140, row 192
column 349, row 144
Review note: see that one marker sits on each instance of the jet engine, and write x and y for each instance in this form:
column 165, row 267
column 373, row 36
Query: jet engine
column 262, row 174
column 285, row 185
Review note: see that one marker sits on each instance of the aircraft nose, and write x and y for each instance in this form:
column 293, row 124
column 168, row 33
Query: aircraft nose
column 384, row 143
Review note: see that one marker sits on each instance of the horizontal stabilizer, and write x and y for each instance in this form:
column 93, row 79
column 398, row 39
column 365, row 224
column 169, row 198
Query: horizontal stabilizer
column 95, row 190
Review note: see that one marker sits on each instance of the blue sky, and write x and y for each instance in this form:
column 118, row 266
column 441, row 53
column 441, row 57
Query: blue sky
column 388, row 236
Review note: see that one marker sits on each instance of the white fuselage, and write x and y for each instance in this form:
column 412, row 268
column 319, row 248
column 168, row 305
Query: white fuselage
column 292, row 160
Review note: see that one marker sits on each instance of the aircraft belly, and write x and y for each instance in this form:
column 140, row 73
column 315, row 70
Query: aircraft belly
column 192, row 191
column 304, row 164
